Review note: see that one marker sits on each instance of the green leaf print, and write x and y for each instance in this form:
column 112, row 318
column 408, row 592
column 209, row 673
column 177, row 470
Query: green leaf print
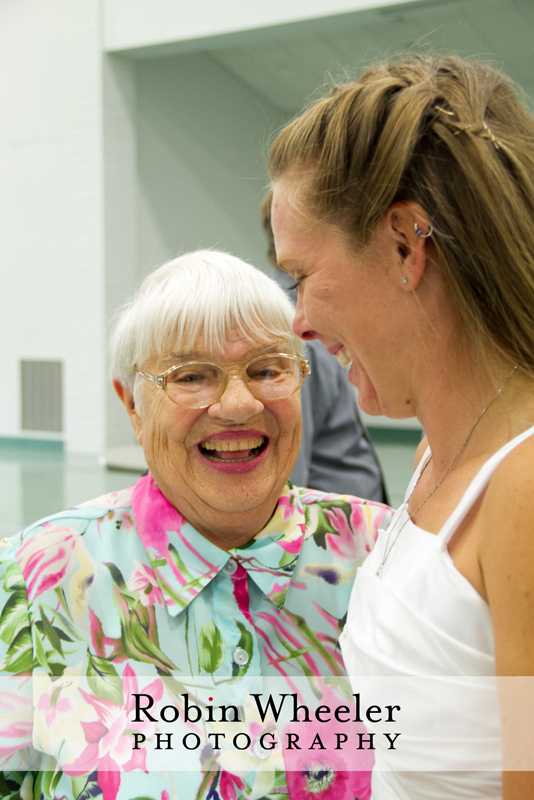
column 62, row 635
column 14, row 616
column 323, row 527
column 13, row 578
column 104, row 679
column 116, row 574
column 51, row 634
column 10, row 784
column 139, row 645
column 51, row 779
column 40, row 653
column 85, row 787
column 19, row 657
column 61, row 620
column 182, row 569
column 139, row 633
column 247, row 643
column 210, row 647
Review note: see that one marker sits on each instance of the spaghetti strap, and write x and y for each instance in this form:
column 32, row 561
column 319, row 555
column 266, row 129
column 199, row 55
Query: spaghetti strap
column 477, row 487
column 417, row 474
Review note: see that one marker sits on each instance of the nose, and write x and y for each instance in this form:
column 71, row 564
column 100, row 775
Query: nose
column 237, row 403
column 301, row 325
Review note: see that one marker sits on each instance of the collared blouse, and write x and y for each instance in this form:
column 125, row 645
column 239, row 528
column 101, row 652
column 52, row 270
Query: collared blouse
column 124, row 594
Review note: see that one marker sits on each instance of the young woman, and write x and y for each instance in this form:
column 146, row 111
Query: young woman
column 403, row 208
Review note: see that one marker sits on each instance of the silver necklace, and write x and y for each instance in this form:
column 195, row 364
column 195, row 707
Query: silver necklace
column 389, row 547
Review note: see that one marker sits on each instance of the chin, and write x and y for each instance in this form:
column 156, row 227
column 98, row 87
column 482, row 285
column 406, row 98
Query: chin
column 367, row 397
column 237, row 502
column 371, row 408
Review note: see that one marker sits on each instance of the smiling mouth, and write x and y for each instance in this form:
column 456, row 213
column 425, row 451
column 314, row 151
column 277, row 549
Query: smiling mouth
column 233, row 450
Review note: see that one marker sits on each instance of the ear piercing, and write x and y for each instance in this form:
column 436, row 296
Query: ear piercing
column 419, row 231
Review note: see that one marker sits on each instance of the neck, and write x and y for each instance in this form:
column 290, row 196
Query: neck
column 225, row 529
column 501, row 407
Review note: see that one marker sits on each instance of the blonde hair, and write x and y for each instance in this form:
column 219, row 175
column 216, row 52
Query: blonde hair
column 205, row 294
column 449, row 135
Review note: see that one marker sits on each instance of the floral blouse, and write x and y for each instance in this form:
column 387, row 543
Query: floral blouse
column 121, row 627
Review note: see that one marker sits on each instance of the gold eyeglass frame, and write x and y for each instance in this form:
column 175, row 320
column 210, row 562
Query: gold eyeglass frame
column 161, row 379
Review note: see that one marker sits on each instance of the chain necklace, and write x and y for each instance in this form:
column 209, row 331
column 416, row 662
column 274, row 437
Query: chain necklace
column 389, row 547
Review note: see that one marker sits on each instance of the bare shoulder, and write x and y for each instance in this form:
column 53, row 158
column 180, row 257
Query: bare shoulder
column 507, row 558
column 510, row 493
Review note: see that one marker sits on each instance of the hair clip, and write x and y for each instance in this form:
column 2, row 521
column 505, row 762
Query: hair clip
column 489, row 135
column 445, row 111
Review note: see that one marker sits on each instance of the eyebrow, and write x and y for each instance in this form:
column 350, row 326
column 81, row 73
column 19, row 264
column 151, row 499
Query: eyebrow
column 184, row 356
column 203, row 356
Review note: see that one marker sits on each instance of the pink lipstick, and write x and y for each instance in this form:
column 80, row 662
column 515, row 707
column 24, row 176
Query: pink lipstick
column 233, row 452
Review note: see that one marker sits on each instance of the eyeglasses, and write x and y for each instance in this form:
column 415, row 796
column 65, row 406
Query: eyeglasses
column 199, row 384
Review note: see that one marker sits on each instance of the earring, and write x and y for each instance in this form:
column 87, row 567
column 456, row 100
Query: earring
column 419, row 231
column 404, row 279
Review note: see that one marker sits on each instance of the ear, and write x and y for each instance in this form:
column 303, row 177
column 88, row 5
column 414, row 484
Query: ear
column 403, row 219
column 126, row 396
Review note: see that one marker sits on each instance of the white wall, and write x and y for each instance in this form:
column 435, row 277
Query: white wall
column 140, row 23
column 119, row 103
column 183, row 169
column 202, row 137
column 51, row 255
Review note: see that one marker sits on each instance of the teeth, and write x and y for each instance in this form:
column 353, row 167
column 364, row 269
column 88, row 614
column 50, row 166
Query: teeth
column 343, row 358
column 232, row 444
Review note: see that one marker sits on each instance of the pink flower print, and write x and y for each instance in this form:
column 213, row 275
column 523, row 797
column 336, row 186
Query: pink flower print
column 55, row 709
column 319, row 779
column 16, row 715
column 240, row 586
column 367, row 518
column 144, row 585
column 350, row 543
column 293, row 545
column 109, row 780
column 109, row 741
column 235, row 762
column 45, row 559
column 285, row 506
column 311, row 496
column 278, row 592
column 228, row 784
column 127, row 521
column 60, row 714
column 154, row 516
column 327, row 768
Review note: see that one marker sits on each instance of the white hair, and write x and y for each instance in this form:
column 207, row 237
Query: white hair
column 204, row 294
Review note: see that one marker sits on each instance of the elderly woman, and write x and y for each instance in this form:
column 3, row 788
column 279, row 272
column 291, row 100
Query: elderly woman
column 190, row 589
column 403, row 209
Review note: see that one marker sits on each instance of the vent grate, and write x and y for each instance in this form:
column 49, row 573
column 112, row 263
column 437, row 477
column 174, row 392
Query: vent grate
column 41, row 394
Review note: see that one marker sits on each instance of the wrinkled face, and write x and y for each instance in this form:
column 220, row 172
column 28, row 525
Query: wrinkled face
column 348, row 300
column 234, row 456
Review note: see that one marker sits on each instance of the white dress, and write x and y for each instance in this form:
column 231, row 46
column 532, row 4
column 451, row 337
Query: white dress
column 421, row 632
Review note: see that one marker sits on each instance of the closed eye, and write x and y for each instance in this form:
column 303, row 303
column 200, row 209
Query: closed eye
column 297, row 283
